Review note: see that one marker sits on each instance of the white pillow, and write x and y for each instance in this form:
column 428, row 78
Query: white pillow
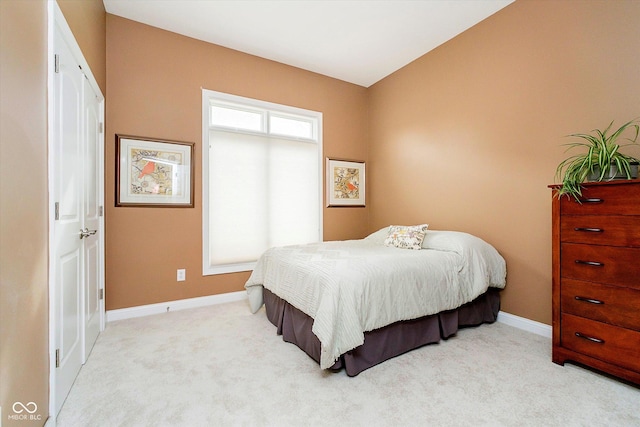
column 406, row 237
column 378, row 237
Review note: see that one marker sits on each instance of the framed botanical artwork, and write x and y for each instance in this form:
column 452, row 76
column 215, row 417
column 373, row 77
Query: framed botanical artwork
column 154, row 172
column 345, row 183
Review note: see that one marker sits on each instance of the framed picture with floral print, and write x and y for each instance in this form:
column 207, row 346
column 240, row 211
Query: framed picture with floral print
column 345, row 183
column 154, row 172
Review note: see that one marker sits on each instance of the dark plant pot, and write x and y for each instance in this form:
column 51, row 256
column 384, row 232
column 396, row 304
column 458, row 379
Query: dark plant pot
column 614, row 173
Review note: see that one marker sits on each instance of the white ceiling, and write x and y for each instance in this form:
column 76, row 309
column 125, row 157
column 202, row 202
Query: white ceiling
column 358, row 41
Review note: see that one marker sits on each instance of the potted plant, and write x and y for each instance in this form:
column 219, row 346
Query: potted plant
column 602, row 161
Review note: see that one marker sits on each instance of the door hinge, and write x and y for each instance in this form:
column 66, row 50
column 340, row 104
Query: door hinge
column 56, row 63
column 57, row 211
column 100, row 127
column 57, row 357
column 101, row 294
column 101, row 211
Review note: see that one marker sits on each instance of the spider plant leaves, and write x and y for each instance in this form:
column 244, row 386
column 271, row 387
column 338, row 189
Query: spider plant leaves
column 602, row 153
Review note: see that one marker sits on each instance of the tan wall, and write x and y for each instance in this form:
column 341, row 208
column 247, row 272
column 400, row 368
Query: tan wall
column 24, row 360
column 469, row 136
column 88, row 22
column 154, row 82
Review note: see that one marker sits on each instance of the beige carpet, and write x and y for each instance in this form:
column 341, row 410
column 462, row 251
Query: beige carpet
column 222, row 366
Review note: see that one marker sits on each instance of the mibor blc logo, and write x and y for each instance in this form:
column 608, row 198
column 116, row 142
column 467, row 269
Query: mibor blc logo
column 24, row 411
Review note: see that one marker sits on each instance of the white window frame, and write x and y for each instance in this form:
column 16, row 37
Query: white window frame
column 210, row 98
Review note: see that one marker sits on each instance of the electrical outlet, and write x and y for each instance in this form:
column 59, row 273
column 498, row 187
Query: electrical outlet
column 182, row 275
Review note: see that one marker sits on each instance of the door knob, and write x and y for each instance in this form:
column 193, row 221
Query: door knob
column 86, row 233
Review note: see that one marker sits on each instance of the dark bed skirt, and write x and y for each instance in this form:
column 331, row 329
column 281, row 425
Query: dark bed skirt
column 384, row 343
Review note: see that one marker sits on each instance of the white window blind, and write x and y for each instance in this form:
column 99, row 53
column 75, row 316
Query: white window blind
column 261, row 180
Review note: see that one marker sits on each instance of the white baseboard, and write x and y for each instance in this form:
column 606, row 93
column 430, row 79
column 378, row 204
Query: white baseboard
column 163, row 307
column 525, row 324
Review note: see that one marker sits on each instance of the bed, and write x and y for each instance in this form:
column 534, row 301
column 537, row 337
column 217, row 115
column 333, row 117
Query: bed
column 356, row 303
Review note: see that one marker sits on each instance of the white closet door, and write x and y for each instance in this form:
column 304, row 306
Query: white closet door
column 76, row 188
column 68, row 189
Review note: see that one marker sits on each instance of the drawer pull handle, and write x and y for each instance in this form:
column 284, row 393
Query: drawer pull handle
column 589, row 230
column 592, row 263
column 591, row 200
column 588, row 338
column 589, row 300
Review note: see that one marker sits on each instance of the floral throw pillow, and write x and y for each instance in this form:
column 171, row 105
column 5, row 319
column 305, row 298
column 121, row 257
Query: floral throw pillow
column 406, row 237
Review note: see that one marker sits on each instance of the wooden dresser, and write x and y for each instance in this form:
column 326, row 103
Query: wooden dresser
column 596, row 278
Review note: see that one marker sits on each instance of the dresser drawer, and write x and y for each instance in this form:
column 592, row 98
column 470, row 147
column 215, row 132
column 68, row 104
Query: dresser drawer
column 604, row 264
column 614, row 199
column 608, row 343
column 609, row 304
column 616, row 230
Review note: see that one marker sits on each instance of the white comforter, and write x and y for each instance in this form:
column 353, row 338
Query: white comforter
column 350, row 287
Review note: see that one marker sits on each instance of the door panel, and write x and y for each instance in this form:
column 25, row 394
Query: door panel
column 70, row 337
column 93, row 169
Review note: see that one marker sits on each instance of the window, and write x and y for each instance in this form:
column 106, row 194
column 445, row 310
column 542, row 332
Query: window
column 261, row 179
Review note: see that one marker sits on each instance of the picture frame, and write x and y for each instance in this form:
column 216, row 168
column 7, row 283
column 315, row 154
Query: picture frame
column 153, row 172
column 345, row 183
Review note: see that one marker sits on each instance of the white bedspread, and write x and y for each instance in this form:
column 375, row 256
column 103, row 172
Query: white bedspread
column 350, row 287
